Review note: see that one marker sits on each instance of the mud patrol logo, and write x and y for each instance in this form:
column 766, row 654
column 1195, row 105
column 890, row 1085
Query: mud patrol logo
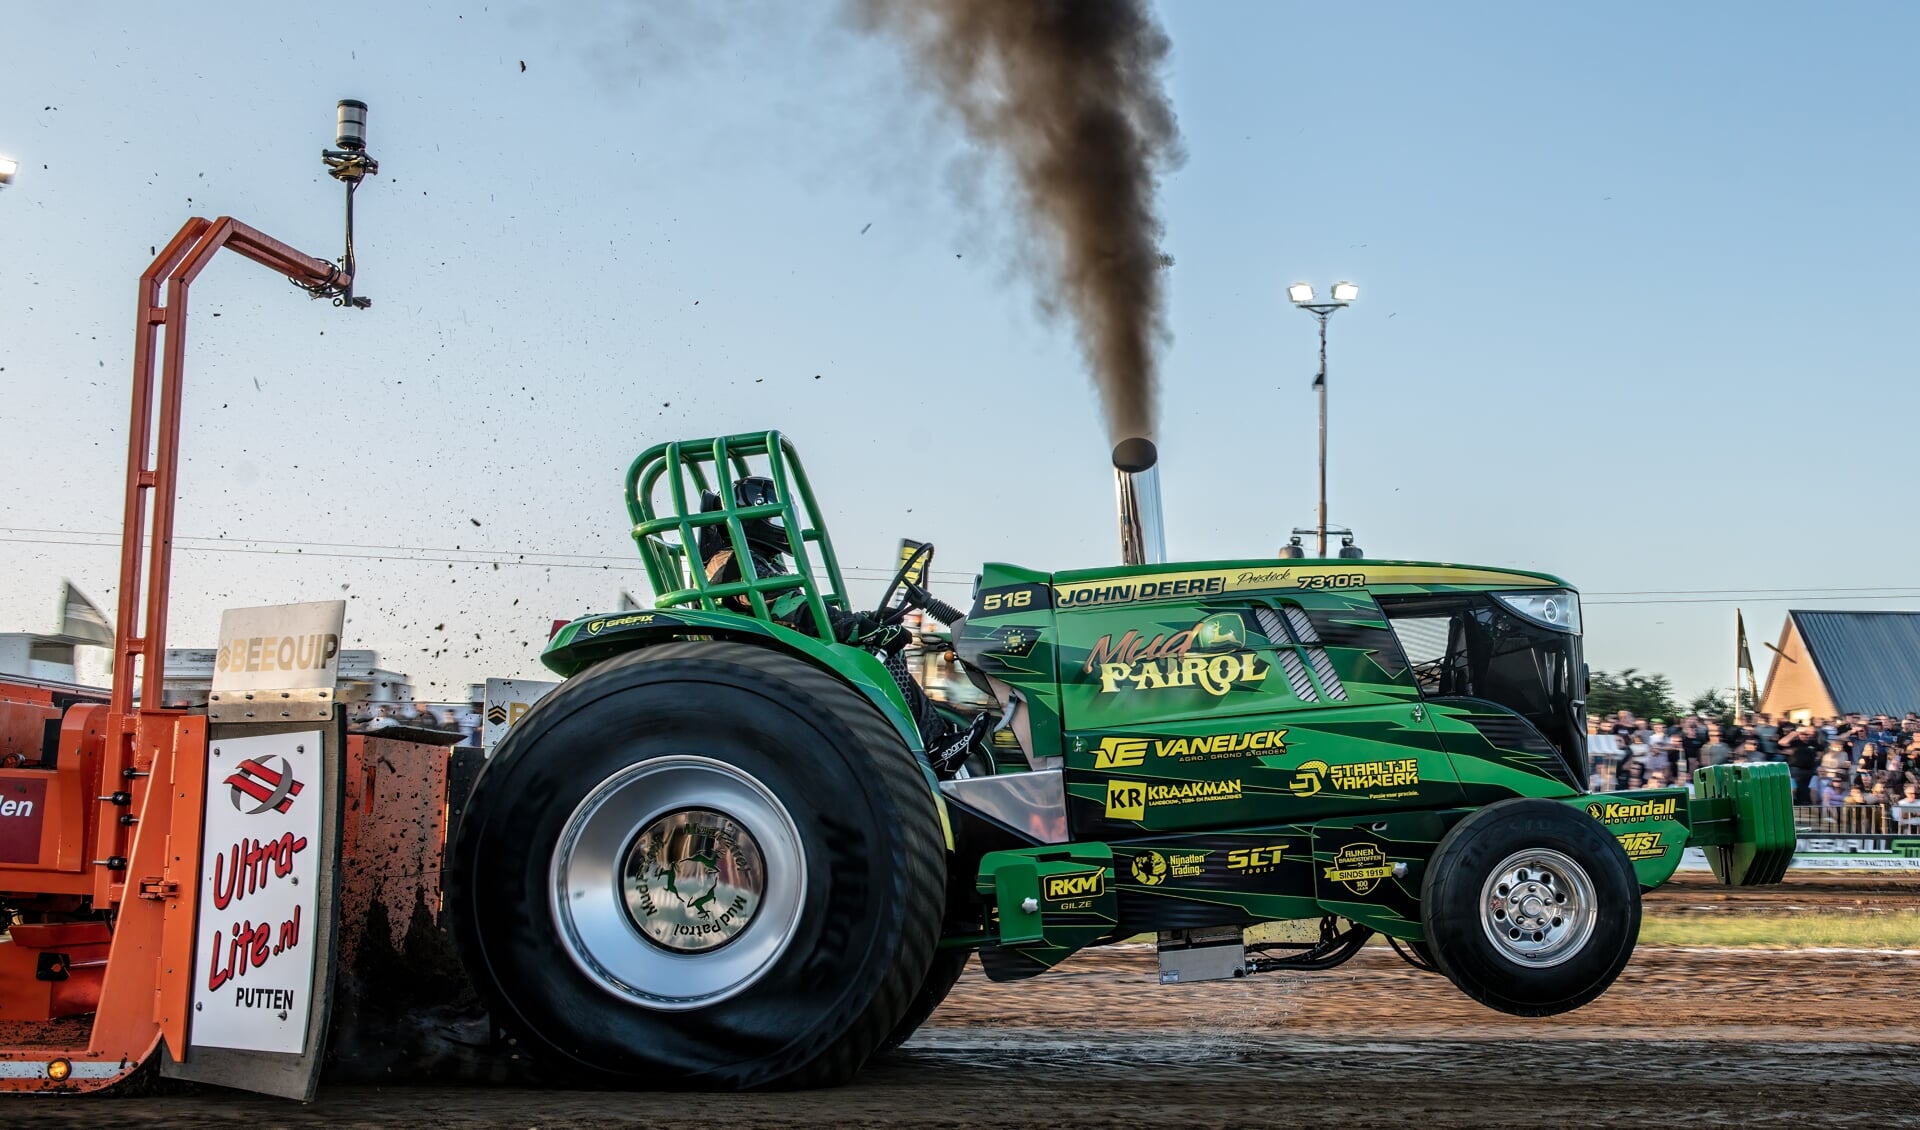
column 694, row 880
column 1212, row 656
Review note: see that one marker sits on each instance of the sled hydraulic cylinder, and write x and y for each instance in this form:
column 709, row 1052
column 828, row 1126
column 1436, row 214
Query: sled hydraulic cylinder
column 1136, row 481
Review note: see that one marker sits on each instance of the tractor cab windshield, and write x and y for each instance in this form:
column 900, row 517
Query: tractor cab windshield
column 1518, row 650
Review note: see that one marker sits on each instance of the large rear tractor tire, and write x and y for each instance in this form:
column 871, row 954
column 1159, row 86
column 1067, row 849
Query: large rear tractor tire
column 1531, row 907
column 703, row 865
column 940, row 980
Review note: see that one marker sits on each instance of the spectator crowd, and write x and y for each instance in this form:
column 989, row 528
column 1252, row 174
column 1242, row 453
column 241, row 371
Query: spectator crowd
column 1855, row 760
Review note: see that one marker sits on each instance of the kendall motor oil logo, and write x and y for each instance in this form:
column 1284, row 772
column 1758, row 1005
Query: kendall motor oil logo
column 1632, row 812
column 1212, row 656
column 267, row 787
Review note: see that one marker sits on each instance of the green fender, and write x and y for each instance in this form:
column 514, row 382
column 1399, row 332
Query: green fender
column 587, row 641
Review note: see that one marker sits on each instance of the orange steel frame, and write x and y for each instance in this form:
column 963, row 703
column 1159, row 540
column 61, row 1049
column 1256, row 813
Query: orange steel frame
column 146, row 872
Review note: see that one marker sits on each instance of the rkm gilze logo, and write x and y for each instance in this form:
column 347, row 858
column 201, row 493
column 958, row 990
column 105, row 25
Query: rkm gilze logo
column 272, row 788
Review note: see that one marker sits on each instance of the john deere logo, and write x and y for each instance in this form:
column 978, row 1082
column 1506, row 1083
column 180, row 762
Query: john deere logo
column 1149, row 868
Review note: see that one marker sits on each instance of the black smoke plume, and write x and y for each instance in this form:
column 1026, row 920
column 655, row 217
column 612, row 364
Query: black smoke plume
column 1070, row 91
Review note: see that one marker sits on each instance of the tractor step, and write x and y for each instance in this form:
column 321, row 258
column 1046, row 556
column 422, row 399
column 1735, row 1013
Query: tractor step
column 1207, row 953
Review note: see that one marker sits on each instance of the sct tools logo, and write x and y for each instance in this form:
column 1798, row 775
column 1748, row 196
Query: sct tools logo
column 272, row 788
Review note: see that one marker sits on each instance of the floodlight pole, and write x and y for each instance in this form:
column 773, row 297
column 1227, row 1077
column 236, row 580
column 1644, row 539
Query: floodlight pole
column 1321, row 311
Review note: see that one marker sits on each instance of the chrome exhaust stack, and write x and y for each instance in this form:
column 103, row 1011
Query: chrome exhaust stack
column 1136, row 485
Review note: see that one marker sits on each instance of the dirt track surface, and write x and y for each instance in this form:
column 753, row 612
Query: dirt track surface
column 1714, row 1037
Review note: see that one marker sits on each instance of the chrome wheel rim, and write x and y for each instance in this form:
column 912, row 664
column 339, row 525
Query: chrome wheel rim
column 678, row 882
column 1538, row 908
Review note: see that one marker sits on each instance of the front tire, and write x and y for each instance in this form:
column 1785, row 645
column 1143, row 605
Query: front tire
column 701, row 864
column 1531, row 907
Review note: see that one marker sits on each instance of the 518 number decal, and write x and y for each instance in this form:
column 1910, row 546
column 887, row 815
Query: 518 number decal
column 1333, row 581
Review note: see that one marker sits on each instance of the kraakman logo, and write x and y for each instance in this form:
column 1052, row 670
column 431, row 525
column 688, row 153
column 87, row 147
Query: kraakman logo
column 272, row 789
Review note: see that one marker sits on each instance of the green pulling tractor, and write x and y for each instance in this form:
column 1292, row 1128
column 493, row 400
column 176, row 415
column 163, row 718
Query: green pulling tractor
column 720, row 856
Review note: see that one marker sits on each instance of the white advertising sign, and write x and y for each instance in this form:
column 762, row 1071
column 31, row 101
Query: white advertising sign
column 507, row 700
column 259, row 881
column 279, row 647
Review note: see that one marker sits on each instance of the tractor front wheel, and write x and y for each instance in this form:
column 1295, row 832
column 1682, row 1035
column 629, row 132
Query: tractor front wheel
column 1531, row 907
column 701, row 864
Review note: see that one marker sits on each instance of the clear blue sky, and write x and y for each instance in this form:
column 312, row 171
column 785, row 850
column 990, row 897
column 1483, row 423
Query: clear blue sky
column 1636, row 300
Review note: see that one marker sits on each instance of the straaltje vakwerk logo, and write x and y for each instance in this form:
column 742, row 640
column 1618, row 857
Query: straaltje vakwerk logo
column 274, row 789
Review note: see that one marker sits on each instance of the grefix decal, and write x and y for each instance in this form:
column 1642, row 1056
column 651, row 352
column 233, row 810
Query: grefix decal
column 596, row 627
column 1212, row 656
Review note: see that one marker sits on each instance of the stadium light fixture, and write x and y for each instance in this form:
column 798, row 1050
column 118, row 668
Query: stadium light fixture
column 1301, row 294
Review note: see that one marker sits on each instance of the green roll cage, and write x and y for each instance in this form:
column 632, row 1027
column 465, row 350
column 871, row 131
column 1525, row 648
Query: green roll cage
column 669, row 541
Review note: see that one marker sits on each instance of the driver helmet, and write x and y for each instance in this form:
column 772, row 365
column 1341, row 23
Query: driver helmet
column 765, row 536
